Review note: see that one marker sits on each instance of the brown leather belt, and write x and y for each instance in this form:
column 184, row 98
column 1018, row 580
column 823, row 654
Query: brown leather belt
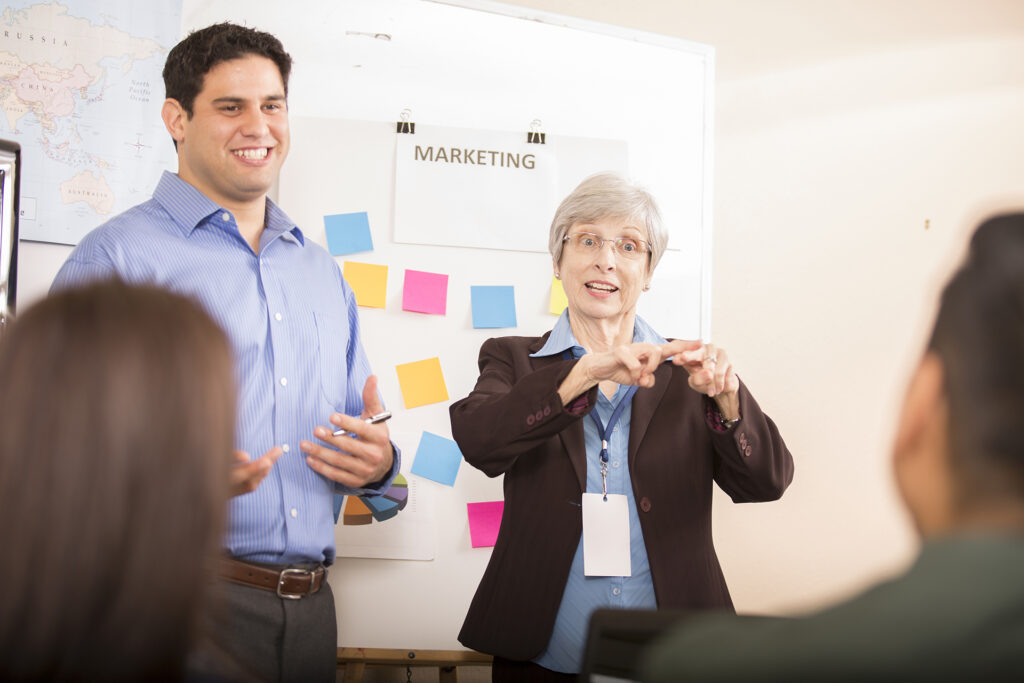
column 291, row 583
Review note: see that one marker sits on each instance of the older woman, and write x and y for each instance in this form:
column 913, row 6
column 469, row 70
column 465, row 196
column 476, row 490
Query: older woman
column 608, row 451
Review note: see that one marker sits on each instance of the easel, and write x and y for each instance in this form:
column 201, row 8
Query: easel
column 356, row 659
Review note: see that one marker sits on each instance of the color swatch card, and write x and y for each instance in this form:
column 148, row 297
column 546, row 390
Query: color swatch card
column 558, row 298
column 348, row 233
column 493, row 306
column 437, row 458
column 425, row 292
column 484, row 522
column 422, row 382
column 369, row 282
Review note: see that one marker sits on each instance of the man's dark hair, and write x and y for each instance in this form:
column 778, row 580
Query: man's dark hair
column 190, row 60
column 979, row 336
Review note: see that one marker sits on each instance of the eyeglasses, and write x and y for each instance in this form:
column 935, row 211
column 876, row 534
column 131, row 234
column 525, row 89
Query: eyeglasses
column 589, row 243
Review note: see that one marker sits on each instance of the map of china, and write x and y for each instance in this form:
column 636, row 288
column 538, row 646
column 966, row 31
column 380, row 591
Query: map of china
column 50, row 66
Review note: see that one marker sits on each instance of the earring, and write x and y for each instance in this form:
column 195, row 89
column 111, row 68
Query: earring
column 647, row 286
column 558, row 276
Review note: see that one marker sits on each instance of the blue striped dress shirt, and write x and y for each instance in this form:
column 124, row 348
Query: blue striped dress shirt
column 584, row 594
column 294, row 326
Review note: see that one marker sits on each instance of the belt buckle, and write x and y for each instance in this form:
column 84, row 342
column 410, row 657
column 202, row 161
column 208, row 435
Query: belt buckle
column 292, row 571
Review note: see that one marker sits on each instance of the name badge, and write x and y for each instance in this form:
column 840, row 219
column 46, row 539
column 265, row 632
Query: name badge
column 606, row 535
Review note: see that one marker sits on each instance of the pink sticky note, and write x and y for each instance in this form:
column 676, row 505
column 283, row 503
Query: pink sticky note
column 484, row 522
column 425, row 292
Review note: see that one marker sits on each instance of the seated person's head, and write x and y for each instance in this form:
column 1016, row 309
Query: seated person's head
column 959, row 451
column 118, row 407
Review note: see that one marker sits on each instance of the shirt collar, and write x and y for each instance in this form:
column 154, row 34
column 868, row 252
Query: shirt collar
column 562, row 338
column 189, row 207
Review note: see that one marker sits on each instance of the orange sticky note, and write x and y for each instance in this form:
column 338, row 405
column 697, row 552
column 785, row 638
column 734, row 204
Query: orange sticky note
column 422, row 382
column 558, row 300
column 369, row 282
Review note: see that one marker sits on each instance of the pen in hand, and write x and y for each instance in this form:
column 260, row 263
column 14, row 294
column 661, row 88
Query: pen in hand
column 373, row 419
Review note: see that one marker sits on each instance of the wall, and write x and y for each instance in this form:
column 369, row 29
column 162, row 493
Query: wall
column 856, row 145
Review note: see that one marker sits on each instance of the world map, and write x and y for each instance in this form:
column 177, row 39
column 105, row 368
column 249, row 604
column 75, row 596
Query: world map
column 81, row 91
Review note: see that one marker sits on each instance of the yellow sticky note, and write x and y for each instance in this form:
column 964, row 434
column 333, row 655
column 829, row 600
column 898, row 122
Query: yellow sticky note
column 558, row 300
column 422, row 382
column 369, row 282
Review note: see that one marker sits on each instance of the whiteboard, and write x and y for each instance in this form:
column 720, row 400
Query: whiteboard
column 358, row 65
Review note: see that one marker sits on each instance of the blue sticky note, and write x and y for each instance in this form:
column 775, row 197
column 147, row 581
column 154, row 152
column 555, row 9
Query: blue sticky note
column 437, row 458
column 493, row 306
column 348, row 233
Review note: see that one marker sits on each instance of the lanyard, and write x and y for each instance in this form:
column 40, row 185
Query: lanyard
column 606, row 432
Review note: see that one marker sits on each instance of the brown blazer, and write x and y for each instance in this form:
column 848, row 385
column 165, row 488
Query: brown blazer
column 513, row 423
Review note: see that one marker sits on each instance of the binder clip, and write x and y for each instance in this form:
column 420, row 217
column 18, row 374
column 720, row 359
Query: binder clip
column 404, row 125
column 534, row 135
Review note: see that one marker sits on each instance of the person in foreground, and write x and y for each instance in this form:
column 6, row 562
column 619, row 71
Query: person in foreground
column 957, row 614
column 118, row 407
column 211, row 231
column 539, row 413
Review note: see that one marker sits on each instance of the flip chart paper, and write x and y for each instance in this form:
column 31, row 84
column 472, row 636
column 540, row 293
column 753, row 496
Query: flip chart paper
column 422, row 382
column 425, row 292
column 493, row 306
column 369, row 282
column 484, row 522
column 437, row 458
column 348, row 233
column 558, row 298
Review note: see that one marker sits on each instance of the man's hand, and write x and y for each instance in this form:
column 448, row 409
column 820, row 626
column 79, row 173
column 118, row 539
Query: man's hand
column 246, row 475
column 353, row 461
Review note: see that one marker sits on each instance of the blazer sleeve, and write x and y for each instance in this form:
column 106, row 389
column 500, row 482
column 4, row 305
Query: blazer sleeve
column 752, row 462
column 514, row 406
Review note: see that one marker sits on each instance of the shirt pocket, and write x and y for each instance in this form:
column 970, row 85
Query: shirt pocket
column 333, row 340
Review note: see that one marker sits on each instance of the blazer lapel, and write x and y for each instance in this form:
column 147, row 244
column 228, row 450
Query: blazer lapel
column 572, row 438
column 645, row 402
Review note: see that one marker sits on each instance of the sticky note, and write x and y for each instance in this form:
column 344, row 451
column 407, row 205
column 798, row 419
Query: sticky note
column 558, row 299
column 348, row 233
column 425, row 292
column 493, row 306
column 437, row 458
column 422, row 382
column 369, row 282
column 484, row 522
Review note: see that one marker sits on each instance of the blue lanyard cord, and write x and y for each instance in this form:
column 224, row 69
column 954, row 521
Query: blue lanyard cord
column 601, row 430
column 616, row 414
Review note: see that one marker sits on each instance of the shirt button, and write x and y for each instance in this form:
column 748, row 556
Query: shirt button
column 225, row 216
column 295, row 513
column 616, row 591
column 284, row 381
column 285, row 448
column 645, row 504
column 277, row 317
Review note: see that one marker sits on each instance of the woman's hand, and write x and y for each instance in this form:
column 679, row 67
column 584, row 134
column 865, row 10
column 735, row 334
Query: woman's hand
column 632, row 364
column 711, row 373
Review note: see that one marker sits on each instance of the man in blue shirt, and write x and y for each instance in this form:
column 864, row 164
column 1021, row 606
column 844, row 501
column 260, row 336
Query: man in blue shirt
column 211, row 231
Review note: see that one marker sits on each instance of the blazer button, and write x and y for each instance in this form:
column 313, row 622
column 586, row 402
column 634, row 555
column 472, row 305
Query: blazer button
column 645, row 504
column 547, row 410
column 530, row 419
column 539, row 416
